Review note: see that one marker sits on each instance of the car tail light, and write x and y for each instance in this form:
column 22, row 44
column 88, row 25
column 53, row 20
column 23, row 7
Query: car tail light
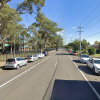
column 14, row 62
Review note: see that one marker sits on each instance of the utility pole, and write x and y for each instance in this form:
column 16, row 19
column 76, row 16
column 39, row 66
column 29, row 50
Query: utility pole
column 80, row 36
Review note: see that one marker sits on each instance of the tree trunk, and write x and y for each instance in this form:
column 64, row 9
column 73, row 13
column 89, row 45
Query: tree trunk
column 11, row 49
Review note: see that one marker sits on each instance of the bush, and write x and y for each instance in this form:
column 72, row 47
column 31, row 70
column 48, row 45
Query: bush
column 98, row 51
column 92, row 51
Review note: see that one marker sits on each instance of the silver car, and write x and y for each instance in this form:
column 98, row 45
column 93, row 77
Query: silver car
column 15, row 62
column 32, row 57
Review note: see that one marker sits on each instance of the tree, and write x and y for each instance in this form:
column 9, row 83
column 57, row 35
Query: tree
column 96, row 42
column 46, row 27
column 8, row 23
column 2, row 2
column 30, row 6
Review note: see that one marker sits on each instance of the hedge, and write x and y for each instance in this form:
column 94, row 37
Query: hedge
column 92, row 51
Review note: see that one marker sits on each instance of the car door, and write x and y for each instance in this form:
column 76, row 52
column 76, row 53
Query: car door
column 23, row 62
column 19, row 61
column 91, row 63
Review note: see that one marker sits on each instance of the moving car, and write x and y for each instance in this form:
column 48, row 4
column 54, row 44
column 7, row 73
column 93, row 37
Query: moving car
column 41, row 55
column 15, row 62
column 94, row 64
column 32, row 58
column 83, row 58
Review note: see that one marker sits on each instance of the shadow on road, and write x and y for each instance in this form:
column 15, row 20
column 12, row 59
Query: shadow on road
column 76, row 61
column 87, row 70
column 61, row 54
column 74, row 90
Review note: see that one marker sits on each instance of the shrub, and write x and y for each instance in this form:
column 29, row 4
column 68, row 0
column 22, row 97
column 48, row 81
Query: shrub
column 98, row 51
column 92, row 51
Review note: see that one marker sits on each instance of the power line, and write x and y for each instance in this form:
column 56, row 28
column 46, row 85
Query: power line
column 91, row 20
column 92, row 35
column 91, row 13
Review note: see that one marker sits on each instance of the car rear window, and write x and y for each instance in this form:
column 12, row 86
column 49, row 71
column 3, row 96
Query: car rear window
column 29, row 56
column 10, row 60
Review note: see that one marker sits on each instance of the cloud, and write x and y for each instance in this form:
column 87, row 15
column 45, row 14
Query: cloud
column 70, row 35
column 74, row 27
column 60, row 33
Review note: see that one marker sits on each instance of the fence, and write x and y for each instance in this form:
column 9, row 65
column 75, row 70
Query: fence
column 9, row 54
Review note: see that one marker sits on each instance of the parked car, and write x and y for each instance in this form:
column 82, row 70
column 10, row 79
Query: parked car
column 32, row 58
column 41, row 55
column 75, row 53
column 94, row 64
column 83, row 58
column 15, row 62
column 69, row 51
column 45, row 53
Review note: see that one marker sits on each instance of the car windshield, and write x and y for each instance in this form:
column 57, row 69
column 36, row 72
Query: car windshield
column 29, row 56
column 10, row 60
column 85, row 56
column 97, row 61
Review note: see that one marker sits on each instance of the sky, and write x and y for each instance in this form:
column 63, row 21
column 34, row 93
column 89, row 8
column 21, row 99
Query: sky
column 69, row 15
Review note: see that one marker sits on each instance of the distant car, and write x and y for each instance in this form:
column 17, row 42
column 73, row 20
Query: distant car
column 83, row 58
column 32, row 58
column 15, row 62
column 41, row 55
column 69, row 51
column 75, row 53
column 45, row 53
column 94, row 64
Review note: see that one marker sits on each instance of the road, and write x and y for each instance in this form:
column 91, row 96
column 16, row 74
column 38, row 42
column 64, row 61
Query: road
column 58, row 76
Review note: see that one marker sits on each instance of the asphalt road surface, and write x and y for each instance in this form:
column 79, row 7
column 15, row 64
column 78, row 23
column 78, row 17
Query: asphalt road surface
column 58, row 76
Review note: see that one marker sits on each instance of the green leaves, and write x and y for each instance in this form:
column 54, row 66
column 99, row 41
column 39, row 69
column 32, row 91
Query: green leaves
column 30, row 6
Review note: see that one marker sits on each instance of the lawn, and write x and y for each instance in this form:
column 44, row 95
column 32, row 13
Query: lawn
column 95, row 56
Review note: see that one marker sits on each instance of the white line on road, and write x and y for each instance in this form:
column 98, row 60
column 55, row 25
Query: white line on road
column 56, row 64
column 24, row 72
column 87, row 80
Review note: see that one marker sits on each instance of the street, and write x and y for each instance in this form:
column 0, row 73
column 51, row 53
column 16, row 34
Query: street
column 58, row 76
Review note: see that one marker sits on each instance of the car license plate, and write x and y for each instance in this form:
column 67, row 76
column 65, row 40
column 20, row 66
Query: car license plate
column 10, row 63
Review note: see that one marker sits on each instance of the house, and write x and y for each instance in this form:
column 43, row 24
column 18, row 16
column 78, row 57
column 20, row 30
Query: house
column 96, row 46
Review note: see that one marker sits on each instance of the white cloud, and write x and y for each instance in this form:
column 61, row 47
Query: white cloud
column 60, row 33
column 70, row 35
column 74, row 27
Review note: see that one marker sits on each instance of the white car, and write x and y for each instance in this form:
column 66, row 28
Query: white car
column 32, row 58
column 83, row 58
column 15, row 62
column 94, row 64
column 41, row 55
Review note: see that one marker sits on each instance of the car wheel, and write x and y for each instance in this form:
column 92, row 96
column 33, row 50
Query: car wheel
column 17, row 66
column 93, row 70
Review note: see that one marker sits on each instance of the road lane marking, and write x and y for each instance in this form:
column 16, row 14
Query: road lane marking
column 86, row 80
column 24, row 72
column 56, row 64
